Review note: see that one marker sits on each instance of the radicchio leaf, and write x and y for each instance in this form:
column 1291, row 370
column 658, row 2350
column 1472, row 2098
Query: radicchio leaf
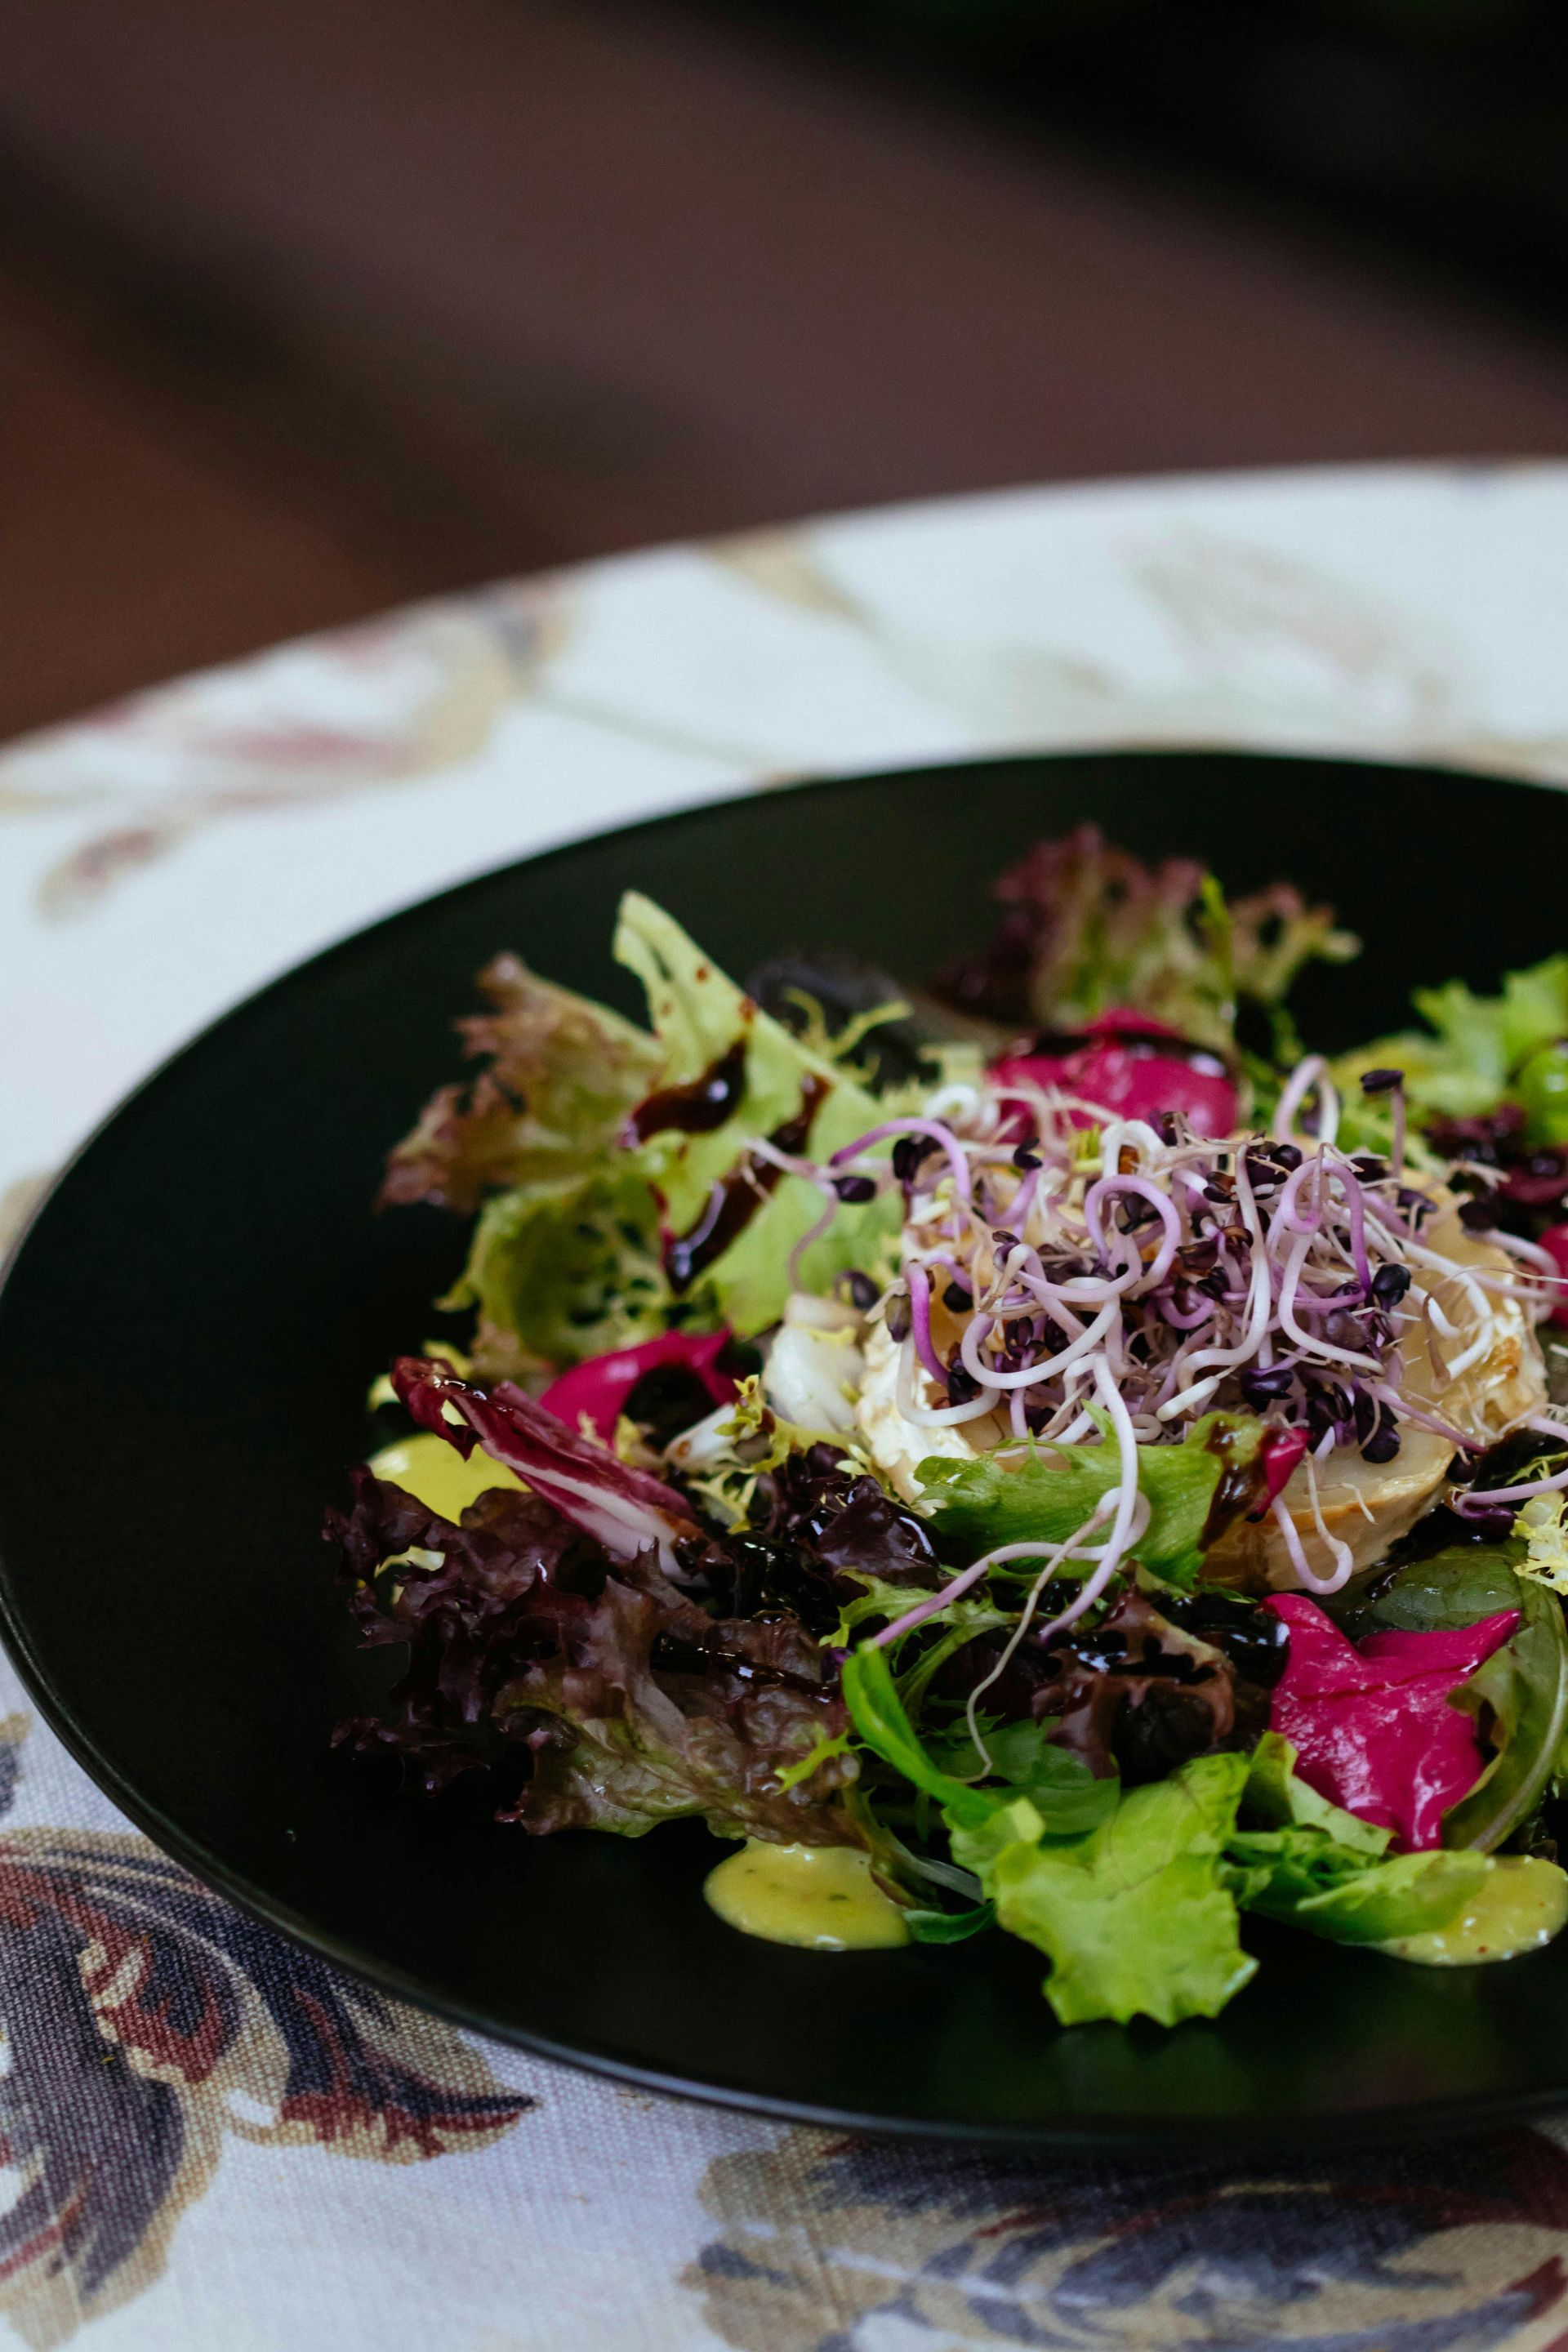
column 605, row 1386
column 624, row 1509
column 1136, row 1068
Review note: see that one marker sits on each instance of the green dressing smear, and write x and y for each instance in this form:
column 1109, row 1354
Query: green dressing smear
column 821, row 1898
column 1519, row 1905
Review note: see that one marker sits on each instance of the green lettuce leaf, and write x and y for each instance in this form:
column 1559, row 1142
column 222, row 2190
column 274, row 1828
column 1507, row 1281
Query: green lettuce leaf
column 1054, row 1793
column 564, row 1261
column 882, row 1723
column 950, row 1927
column 1519, row 1698
column 1305, row 1878
column 1449, row 1588
column 1320, row 1868
column 982, row 1504
column 1277, row 1798
column 1089, row 928
column 1461, row 1065
column 699, row 1014
column 563, row 1268
column 1132, row 1911
column 1136, row 1918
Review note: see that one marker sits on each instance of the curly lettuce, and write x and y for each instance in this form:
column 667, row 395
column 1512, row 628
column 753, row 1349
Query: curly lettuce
column 699, row 1014
column 1470, row 1055
column 619, row 1703
column 1135, row 1919
column 1122, row 1893
column 565, row 1268
column 1316, row 1866
column 568, row 1257
column 561, row 1075
column 1135, row 1895
column 1089, row 928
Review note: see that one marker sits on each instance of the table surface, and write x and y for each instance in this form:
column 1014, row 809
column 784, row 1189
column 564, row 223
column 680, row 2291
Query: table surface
column 208, row 2138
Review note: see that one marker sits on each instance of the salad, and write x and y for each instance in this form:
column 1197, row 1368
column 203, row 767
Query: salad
column 1043, row 1452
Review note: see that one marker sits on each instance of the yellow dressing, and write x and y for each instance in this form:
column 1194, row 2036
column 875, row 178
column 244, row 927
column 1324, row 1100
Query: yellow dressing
column 436, row 1474
column 1519, row 1905
column 820, row 1897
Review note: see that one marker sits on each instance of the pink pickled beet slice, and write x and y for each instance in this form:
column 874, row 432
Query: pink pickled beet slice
column 1122, row 1021
column 1371, row 1723
column 1119, row 1069
column 600, row 1387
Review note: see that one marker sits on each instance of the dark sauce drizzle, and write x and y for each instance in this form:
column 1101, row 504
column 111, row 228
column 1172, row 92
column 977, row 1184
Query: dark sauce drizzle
column 736, row 1198
column 699, row 1107
column 1238, row 1489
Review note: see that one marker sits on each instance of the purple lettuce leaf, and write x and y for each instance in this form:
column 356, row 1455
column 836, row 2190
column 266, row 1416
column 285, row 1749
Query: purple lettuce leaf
column 621, row 1699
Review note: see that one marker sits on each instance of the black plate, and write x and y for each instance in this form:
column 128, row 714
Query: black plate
column 184, row 1342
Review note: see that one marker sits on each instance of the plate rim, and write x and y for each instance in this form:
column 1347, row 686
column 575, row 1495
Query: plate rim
column 1146, row 2135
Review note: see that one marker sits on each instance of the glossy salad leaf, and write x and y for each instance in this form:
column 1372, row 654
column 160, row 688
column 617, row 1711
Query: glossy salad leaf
column 982, row 1503
column 950, row 1927
column 1136, row 1918
column 1052, row 1793
column 1304, row 1878
column 700, row 1015
column 663, row 1385
column 1019, row 1760
column 1443, row 1592
column 1277, row 1797
column 881, row 1721
column 562, row 1074
column 1465, row 1061
column 1132, row 1913
column 623, row 1509
column 1302, row 1858
column 1372, row 1726
column 1519, row 1697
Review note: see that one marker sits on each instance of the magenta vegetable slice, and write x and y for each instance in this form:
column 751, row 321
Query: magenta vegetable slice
column 1123, row 1067
column 1371, row 1723
column 600, row 1387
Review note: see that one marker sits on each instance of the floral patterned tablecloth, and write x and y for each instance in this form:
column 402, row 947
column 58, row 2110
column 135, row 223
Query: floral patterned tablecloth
column 208, row 2138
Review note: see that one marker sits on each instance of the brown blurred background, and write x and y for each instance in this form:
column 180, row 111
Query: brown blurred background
column 312, row 306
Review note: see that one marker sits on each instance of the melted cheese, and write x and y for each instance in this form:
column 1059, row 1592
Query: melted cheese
column 821, row 1898
column 898, row 1446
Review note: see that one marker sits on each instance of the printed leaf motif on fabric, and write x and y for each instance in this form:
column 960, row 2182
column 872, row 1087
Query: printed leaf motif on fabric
column 829, row 2245
column 141, row 2019
column 389, row 701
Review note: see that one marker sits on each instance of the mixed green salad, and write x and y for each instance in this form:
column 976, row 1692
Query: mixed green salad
column 1039, row 1451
